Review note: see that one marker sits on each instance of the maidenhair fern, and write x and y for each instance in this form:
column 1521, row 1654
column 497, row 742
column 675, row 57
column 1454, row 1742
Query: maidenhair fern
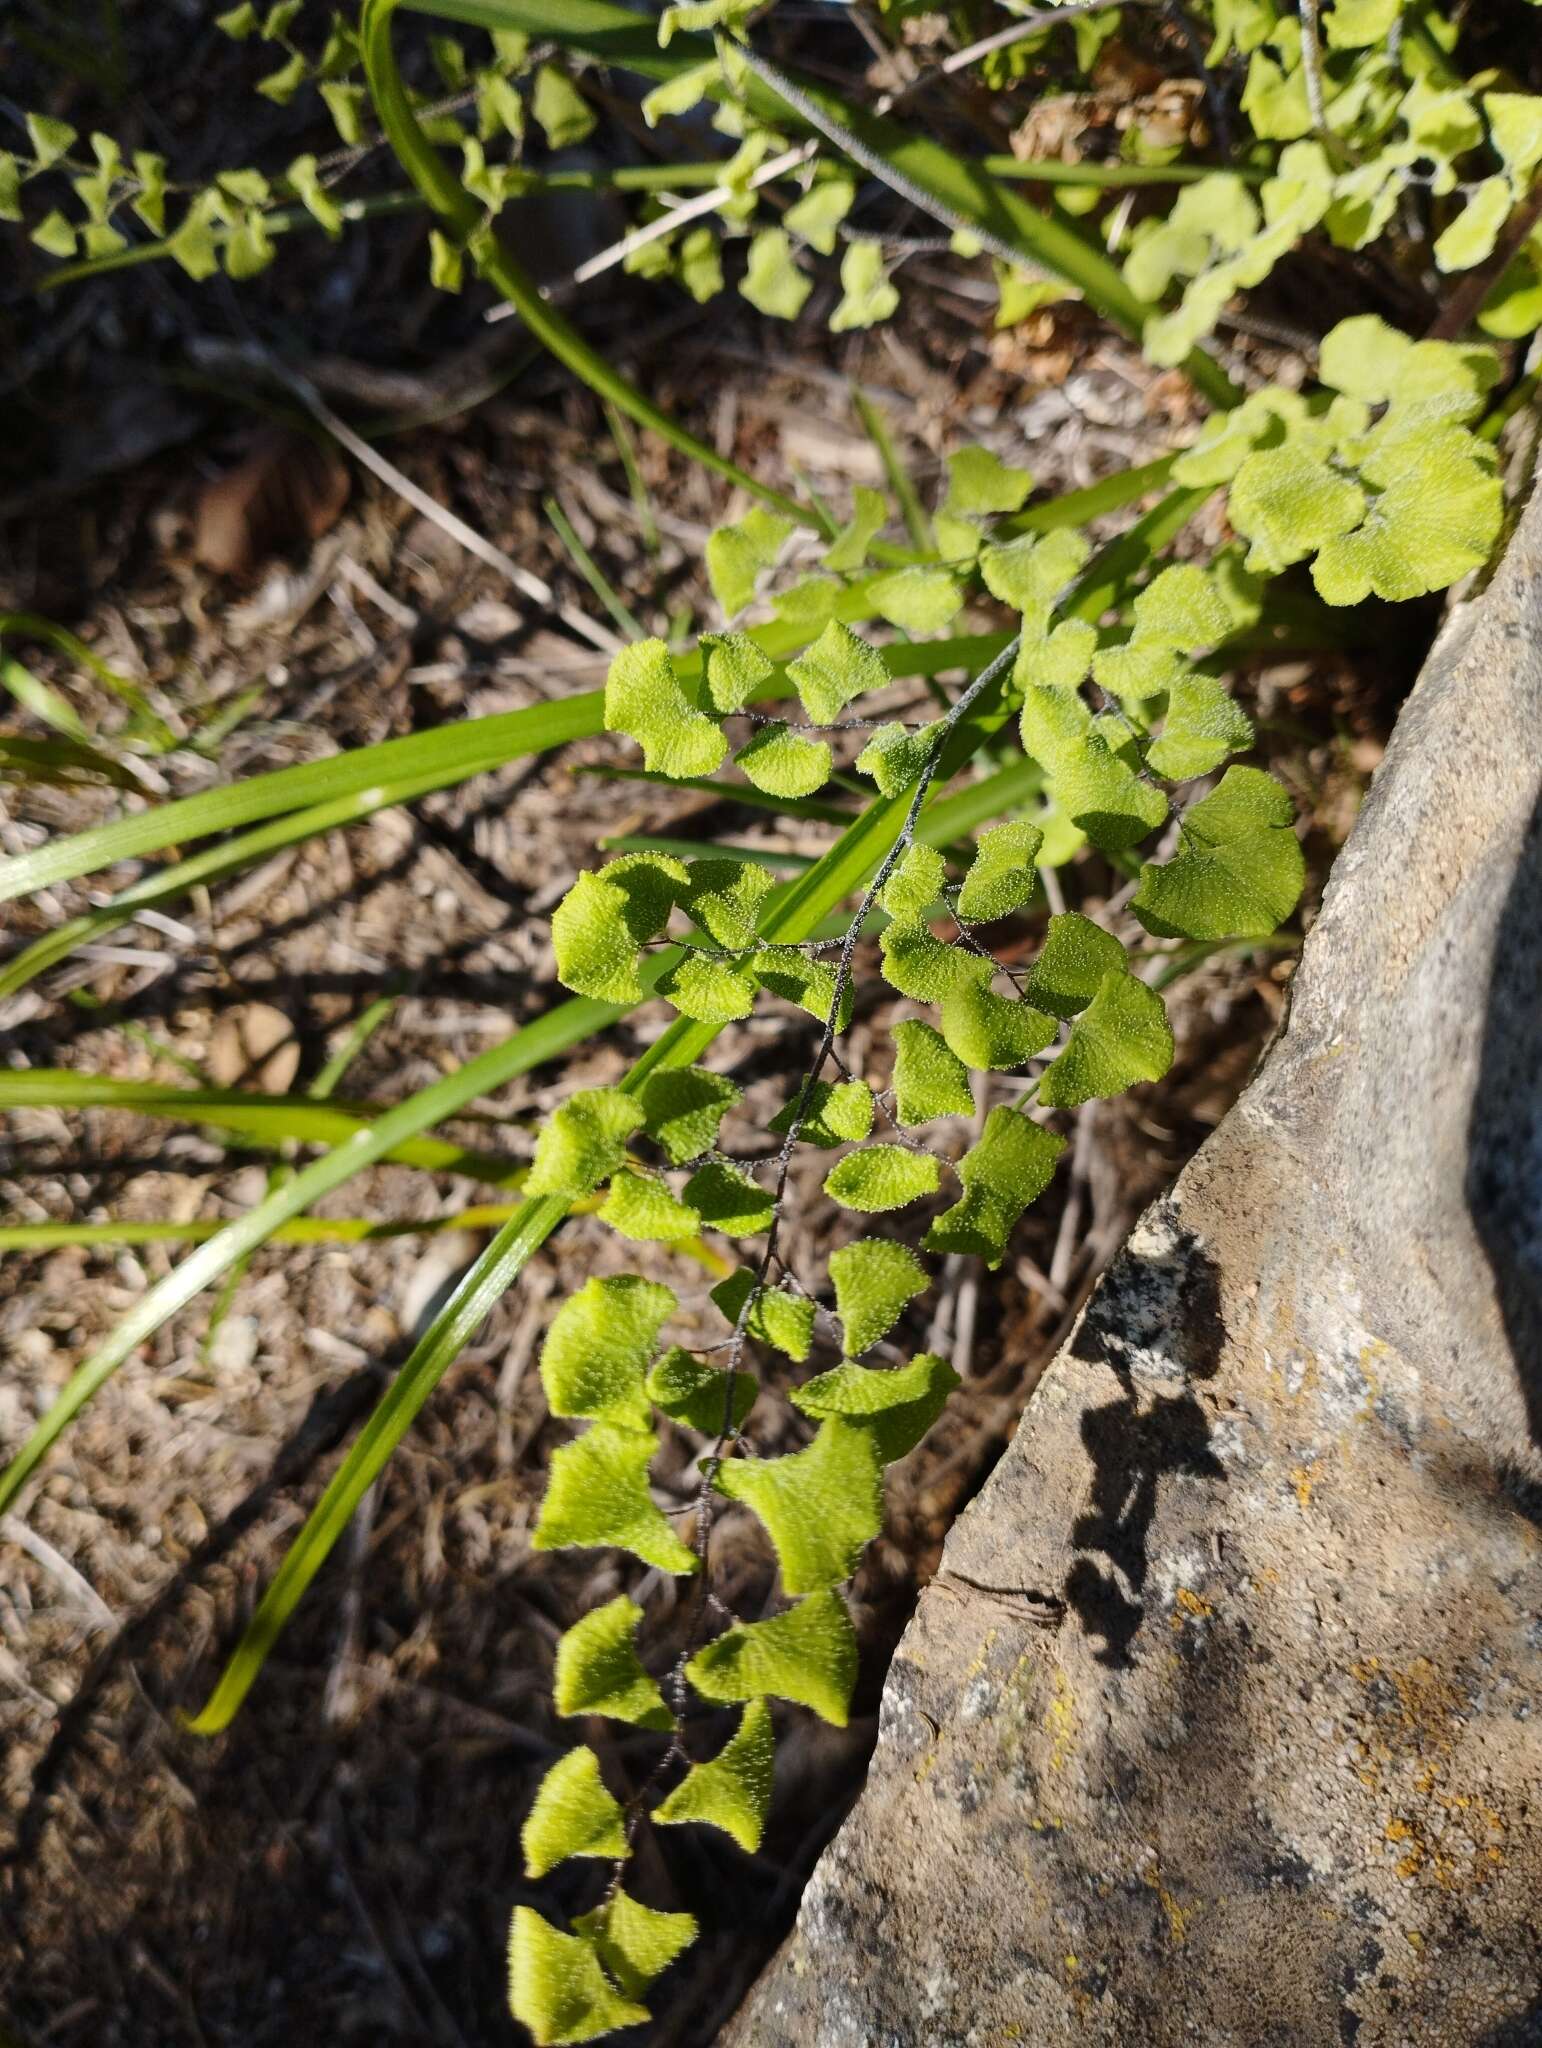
column 1107, row 702
column 1136, row 741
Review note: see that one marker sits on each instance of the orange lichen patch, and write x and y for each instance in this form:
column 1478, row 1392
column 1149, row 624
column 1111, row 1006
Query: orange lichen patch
column 1303, row 1481
column 1188, row 1606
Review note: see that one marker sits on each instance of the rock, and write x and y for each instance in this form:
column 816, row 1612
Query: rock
column 1222, row 1722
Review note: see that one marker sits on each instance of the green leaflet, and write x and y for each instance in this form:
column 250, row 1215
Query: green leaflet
column 635, row 1943
column 1239, row 872
column 1201, row 728
column 818, row 214
column 1289, row 503
column 916, row 883
column 921, row 966
column 644, row 699
column 729, row 1200
column 821, row 1507
column 798, row 979
column 1097, row 788
column 867, row 296
column 733, row 1791
column 683, row 1107
column 917, row 599
column 838, row 667
column 599, row 1345
column 639, row 1206
column 772, row 282
column 882, row 1177
column 559, row 109
column 1470, row 238
column 1008, row 1167
column 778, row 1318
column 898, row 1407
column 692, row 1392
column 1122, row 1037
column 711, row 991
column 606, row 917
column 807, row 1655
column 735, row 669
column 785, row 763
column 834, row 1113
column 1436, row 517
column 895, row 758
column 573, row 1815
column 737, row 554
column 1072, row 962
column 869, row 516
column 597, row 1497
column 1001, row 876
column 583, row 1142
column 992, row 1033
column 557, row 1987
column 724, row 898
column 929, row 1079
column 875, row 1280
column 598, row 1670
column 1035, row 569
column 980, row 483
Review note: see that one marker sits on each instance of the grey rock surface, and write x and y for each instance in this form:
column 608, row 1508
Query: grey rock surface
column 1222, row 1722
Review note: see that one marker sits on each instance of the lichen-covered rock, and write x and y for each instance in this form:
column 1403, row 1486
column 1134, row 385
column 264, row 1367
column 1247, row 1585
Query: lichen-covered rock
column 1223, row 1721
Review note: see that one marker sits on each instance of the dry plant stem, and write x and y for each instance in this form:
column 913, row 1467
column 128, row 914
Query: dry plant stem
column 1311, row 65
column 676, row 217
column 870, row 160
column 1462, row 307
column 523, row 580
column 1026, row 25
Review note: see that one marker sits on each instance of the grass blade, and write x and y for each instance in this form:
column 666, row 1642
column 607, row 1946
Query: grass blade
column 273, row 1119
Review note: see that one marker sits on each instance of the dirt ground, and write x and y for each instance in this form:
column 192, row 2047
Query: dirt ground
column 341, row 1866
